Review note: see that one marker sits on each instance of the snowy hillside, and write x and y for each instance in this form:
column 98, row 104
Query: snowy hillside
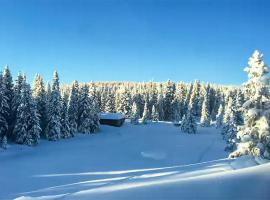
column 153, row 161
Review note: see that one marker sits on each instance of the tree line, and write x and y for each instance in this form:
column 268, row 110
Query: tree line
column 60, row 111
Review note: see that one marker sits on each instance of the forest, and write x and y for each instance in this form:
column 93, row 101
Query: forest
column 53, row 112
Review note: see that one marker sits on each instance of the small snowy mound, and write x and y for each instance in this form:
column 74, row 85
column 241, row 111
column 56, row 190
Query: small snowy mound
column 155, row 155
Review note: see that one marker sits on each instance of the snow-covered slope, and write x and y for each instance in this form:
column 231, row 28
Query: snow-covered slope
column 153, row 161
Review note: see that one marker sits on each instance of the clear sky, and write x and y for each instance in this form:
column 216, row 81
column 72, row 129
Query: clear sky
column 139, row 40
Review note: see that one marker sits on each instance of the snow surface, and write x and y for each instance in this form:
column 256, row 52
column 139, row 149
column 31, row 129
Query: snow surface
column 106, row 115
column 153, row 161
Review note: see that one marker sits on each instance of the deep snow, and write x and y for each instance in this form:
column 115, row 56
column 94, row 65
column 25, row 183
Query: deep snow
column 153, row 161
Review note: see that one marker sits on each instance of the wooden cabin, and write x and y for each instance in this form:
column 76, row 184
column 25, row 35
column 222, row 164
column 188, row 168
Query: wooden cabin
column 112, row 119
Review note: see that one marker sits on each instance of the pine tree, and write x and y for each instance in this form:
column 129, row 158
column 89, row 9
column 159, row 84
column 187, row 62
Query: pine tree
column 73, row 108
column 230, row 135
column 228, row 110
column 194, row 101
column 8, row 90
column 94, row 118
column 110, row 103
column 16, row 101
column 205, row 115
column 254, row 135
column 239, row 101
column 155, row 115
column 188, row 124
column 145, row 116
column 160, row 107
column 27, row 128
column 85, row 116
column 168, row 100
column 176, row 111
column 135, row 114
column 65, row 130
column 180, row 95
column 124, row 102
column 53, row 130
column 39, row 94
column 219, row 117
column 3, row 114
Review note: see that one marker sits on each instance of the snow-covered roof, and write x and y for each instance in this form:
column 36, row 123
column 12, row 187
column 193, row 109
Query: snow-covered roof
column 107, row 115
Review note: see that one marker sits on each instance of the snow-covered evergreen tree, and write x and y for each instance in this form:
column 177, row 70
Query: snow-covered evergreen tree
column 176, row 111
column 160, row 107
column 110, row 103
column 73, row 108
column 65, row 130
column 27, row 128
column 239, row 101
column 39, row 94
column 16, row 101
column 219, row 117
column 3, row 113
column 188, row 124
column 8, row 90
column 231, row 131
column 135, row 114
column 205, row 115
column 168, row 100
column 145, row 116
column 180, row 95
column 154, row 114
column 94, row 118
column 124, row 102
column 194, row 101
column 228, row 110
column 254, row 135
column 85, row 116
column 53, row 130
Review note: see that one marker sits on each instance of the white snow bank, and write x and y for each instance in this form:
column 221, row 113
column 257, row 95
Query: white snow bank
column 154, row 161
column 106, row 115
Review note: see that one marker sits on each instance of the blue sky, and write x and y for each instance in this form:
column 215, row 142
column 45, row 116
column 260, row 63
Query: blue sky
column 106, row 40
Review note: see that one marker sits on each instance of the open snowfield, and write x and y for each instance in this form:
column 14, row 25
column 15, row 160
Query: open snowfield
column 153, row 161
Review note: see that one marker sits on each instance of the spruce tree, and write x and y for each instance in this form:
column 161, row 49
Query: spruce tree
column 65, row 130
column 110, row 103
column 188, row 124
column 219, row 117
column 53, row 130
column 154, row 114
column 176, row 111
column 205, row 115
column 16, row 101
column 94, row 118
column 124, row 102
column 39, row 94
column 27, row 128
column 230, row 135
column 168, row 100
column 85, row 116
column 160, row 107
column 73, row 108
column 135, row 114
column 9, row 93
column 194, row 101
column 145, row 116
column 3, row 113
column 254, row 135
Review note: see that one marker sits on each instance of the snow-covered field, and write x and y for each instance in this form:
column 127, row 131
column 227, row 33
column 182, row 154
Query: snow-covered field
column 153, row 161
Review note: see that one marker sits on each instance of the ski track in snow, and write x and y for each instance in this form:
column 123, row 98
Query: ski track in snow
column 153, row 161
